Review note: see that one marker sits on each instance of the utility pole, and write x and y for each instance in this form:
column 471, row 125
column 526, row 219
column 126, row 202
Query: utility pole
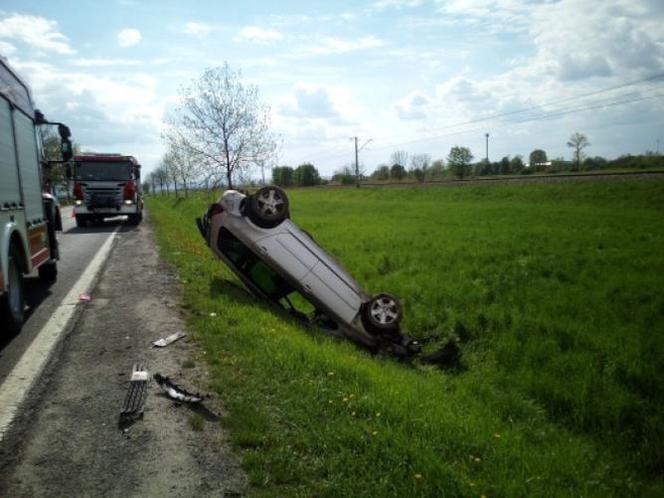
column 357, row 161
column 487, row 148
column 658, row 146
column 357, row 166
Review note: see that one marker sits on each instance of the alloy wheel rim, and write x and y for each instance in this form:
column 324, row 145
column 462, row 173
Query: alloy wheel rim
column 384, row 310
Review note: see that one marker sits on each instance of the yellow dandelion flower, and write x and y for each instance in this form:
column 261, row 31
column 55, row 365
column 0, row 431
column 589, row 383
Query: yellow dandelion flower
column 377, row 414
column 345, row 400
column 330, row 374
column 374, row 433
column 417, row 476
column 478, row 459
column 496, row 435
column 353, row 414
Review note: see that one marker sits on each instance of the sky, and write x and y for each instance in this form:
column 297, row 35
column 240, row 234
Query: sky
column 413, row 75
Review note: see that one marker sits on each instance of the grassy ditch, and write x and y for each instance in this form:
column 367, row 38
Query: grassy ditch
column 555, row 291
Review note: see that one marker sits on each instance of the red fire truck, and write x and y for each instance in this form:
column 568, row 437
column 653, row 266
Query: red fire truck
column 107, row 185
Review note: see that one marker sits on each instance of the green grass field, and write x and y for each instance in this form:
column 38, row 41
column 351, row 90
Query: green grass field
column 556, row 293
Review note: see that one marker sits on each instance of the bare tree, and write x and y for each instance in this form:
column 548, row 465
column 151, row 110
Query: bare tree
column 399, row 157
column 182, row 163
column 578, row 142
column 221, row 121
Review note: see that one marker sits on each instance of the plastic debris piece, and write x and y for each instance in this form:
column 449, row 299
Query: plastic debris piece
column 168, row 340
column 176, row 392
column 84, row 297
column 134, row 402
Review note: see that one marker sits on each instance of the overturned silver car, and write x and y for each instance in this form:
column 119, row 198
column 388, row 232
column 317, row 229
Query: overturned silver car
column 282, row 263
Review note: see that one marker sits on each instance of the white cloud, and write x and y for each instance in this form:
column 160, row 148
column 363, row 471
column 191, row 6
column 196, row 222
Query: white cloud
column 332, row 45
column 37, row 32
column 6, row 49
column 99, row 62
column 398, row 4
column 413, row 106
column 197, row 29
column 257, row 34
column 129, row 37
column 309, row 102
column 106, row 113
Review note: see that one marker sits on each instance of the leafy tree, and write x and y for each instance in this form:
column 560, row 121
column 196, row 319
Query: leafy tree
column 437, row 169
column 221, row 120
column 397, row 172
column 538, row 156
column 578, row 142
column 485, row 167
column 596, row 162
column 419, row 165
column 306, row 175
column 345, row 176
column 283, row 176
column 382, row 172
column 459, row 160
column 55, row 177
column 516, row 164
column 505, row 167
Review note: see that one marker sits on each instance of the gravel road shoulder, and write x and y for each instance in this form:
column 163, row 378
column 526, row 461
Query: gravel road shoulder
column 67, row 441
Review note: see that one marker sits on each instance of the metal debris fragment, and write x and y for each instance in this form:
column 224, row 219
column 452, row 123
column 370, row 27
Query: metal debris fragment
column 168, row 340
column 175, row 392
column 134, row 402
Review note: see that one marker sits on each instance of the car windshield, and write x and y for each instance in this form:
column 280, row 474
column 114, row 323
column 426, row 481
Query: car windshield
column 261, row 275
column 103, row 170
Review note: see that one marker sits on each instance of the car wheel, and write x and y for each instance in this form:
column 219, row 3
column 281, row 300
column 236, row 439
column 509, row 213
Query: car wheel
column 12, row 303
column 383, row 313
column 268, row 207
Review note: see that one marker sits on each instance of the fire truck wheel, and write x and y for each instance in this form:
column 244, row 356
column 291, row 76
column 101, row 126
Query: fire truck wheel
column 12, row 303
column 48, row 272
column 81, row 221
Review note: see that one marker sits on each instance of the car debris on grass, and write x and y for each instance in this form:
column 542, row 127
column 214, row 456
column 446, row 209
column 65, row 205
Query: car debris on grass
column 165, row 341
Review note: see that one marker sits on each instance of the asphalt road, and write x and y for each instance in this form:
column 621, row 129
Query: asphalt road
column 66, row 439
column 77, row 248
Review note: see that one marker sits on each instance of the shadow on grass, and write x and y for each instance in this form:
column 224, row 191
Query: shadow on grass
column 232, row 290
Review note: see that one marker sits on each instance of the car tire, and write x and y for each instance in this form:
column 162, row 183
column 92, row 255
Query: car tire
column 12, row 304
column 81, row 221
column 48, row 272
column 382, row 313
column 268, row 207
column 134, row 219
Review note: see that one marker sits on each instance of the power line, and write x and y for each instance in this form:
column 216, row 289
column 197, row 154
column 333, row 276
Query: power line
column 518, row 111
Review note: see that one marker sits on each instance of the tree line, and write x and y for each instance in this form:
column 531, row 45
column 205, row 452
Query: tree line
column 220, row 130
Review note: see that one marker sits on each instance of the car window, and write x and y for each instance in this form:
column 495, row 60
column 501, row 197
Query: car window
column 261, row 275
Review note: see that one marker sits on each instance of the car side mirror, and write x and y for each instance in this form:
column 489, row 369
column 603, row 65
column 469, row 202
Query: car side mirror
column 40, row 119
column 64, row 131
column 65, row 149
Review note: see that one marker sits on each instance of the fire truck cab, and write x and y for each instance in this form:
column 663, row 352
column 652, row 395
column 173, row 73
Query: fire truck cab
column 28, row 216
column 107, row 185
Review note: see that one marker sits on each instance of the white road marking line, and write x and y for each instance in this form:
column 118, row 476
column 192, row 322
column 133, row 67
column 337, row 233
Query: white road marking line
column 28, row 369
